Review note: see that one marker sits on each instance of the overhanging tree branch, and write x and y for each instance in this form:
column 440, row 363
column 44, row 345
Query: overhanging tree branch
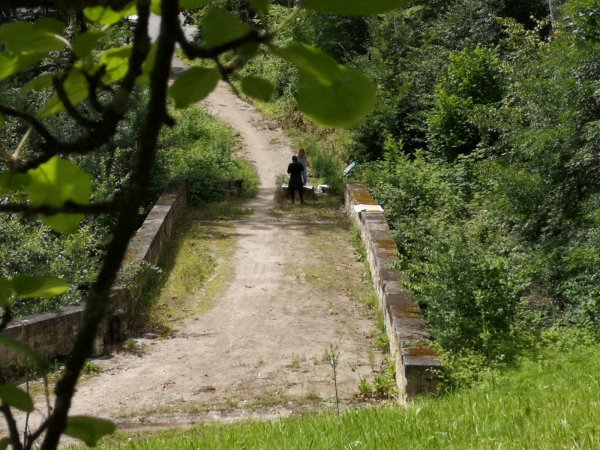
column 97, row 300
column 85, row 122
column 114, row 113
column 6, row 318
column 15, row 440
column 31, row 438
column 65, row 4
column 93, row 84
column 193, row 51
column 67, row 208
column 35, row 123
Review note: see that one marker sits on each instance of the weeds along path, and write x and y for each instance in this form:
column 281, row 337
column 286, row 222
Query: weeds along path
column 258, row 352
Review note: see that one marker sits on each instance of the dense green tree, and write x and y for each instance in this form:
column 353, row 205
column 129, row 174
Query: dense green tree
column 496, row 215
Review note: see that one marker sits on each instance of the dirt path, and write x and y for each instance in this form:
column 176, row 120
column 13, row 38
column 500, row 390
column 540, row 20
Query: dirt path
column 258, row 352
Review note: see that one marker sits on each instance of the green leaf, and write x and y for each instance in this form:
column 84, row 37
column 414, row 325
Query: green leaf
column 76, row 87
column 89, row 429
column 155, row 7
column 63, row 223
column 258, row 88
column 1, row 122
column 4, row 443
column 108, row 16
column 249, row 50
column 6, row 292
column 116, row 61
column 342, row 104
column 38, row 84
column 193, row 85
column 261, row 6
column 55, row 183
column 15, row 397
column 329, row 94
column 85, row 43
column 220, row 27
column 24, row 37
column 58, row 181
column 354, row 7
column 311, row 59
column 14, row 62
column 19, row 347
column 29, row 286
column 51, row 25
column 102, row 15
column 12, row 181
column 193, row 4
column 148, row 66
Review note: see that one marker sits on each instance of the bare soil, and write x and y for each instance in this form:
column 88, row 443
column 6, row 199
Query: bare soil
column 258, row 352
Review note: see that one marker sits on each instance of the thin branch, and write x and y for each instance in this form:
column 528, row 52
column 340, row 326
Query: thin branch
column 99, row 133
column 6, row 318
column 12, row 428
column 82, row 146
column 139, row 52
column 67, row 208
column 117, row 5
column 22, row 142
column 193, row 51
column 26, row 429
column 102, row 131
column 93, row 84
column 31, row 438
column 85, row 122
column 36, row 124
column 225, row 76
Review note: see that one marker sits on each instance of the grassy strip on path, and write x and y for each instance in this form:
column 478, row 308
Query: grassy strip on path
column 194, row 269
column 552, row 403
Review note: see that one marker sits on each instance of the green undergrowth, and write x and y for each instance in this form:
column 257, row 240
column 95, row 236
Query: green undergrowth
column 201, row 149
column 552, row 402
column 322, row 209
column 231, row 209
column 193, row 270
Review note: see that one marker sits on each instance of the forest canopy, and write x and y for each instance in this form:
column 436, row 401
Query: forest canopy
column 483, row 148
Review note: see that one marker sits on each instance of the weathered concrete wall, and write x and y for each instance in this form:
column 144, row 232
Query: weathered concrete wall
column 415, row 360
column 52, row 334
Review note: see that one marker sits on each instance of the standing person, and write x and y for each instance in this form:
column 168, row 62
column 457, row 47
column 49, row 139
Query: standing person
column 302, row 160
column 295, row 170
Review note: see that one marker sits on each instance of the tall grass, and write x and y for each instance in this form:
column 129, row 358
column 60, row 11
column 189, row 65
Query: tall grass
column 200, row 149
column 550, row 403
column 325, row 163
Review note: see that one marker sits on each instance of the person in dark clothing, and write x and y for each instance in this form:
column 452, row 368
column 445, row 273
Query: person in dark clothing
column 295, row 170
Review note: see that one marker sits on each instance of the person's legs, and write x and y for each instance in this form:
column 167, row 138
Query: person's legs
column 301, row 194
column 304, row 176
column 293, row 192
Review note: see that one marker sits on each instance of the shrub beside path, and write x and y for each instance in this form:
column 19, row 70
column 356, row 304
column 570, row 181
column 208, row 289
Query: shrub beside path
column 258, row 351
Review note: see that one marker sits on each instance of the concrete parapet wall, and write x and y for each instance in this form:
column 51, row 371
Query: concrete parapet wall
column 52, row 334
column 409, row 338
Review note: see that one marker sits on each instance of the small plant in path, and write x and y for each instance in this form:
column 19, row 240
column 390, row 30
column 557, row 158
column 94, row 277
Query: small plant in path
column 332, row 355
column 295, row 363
